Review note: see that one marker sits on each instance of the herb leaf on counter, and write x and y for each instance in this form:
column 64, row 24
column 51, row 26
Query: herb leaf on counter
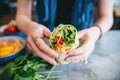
column 8, row 72
column 28, row 67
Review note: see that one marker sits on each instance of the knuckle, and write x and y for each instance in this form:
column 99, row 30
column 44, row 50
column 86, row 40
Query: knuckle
column 39, row 45
column 50, row 53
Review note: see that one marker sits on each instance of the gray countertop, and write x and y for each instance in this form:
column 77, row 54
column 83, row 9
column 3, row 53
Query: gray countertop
column 104, row 63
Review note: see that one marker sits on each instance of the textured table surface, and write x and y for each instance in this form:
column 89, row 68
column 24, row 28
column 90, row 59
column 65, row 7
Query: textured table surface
column 104, row 63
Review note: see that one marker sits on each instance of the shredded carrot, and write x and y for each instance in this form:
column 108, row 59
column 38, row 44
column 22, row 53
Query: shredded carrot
column 68, row 49
column 58, row 45
column 61, row 50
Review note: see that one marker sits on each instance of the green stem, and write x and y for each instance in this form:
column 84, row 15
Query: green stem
column 56, row 77
column 50, row 73
column 17, row 68
column 23, row 59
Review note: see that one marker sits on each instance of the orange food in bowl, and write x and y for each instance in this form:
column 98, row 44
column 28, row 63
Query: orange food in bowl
column 9, row 47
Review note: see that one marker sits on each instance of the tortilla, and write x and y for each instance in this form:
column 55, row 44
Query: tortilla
column 63, row 39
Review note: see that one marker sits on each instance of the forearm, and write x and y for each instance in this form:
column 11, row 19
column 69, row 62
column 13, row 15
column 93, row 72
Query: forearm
column 23, row 16
column 24, row 24
column 105, row 15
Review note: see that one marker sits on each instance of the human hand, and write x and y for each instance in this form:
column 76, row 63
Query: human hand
column 38, row 46
column 81, row 54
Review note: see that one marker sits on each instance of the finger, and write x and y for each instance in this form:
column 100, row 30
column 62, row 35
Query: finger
column 47, row 33
column 83, row 57
column 73, row 59
column 42, row 46
column 41, row 54
column 78, row 58
column 45, row 57
column 86, row 55
column 30, row 45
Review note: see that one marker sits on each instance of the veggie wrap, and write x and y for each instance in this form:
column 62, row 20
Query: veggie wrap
column 63, row 39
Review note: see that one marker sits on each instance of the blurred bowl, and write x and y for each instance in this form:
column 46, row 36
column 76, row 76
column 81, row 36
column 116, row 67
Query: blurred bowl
column 6, row 59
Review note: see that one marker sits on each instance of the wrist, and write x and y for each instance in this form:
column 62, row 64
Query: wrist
column 99, row 30
column 96, row 32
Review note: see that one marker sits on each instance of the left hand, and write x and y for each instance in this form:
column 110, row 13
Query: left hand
column 90, row 36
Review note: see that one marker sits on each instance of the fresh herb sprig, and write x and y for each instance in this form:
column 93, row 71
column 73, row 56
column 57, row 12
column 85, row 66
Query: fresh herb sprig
column 28, row 67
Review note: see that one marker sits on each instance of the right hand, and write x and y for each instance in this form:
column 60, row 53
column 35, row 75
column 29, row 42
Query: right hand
column 38, row 46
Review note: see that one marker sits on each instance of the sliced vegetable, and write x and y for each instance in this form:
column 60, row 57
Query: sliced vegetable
column 10, row 47
column 12, row 28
